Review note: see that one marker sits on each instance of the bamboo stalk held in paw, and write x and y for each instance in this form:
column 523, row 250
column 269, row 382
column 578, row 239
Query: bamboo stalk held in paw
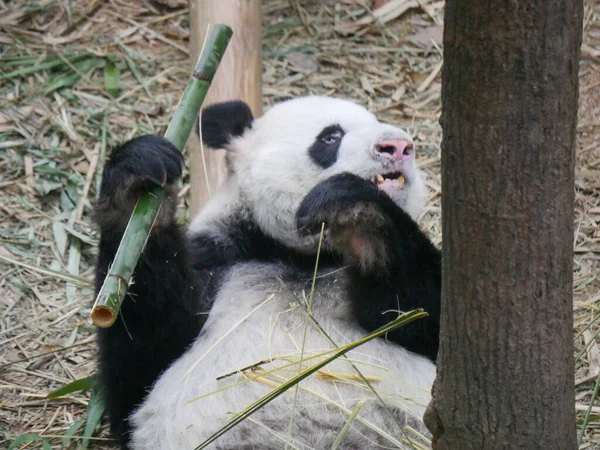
column 113, row 290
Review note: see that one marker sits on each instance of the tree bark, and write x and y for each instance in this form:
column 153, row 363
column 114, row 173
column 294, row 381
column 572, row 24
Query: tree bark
column 509, row 107
column 239, row 78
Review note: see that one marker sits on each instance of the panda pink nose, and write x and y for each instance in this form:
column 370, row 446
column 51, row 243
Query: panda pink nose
column 396, row 149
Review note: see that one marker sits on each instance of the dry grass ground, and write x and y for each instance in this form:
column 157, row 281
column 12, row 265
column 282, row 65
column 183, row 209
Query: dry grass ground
column 77, row 77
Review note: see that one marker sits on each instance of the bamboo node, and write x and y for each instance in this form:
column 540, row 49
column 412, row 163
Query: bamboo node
column 116, row 275
column 200, row 75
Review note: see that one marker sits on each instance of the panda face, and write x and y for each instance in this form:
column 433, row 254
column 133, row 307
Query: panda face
column 281, row 156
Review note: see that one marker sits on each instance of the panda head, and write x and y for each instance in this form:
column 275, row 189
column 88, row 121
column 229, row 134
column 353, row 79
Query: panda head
column 275, row 160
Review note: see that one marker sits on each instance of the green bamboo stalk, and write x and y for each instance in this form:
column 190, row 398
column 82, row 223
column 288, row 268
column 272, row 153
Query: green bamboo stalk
column 111, row 295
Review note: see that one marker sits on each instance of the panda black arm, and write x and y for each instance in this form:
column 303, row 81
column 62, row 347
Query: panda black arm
column 376, row 301
column 393, row 265
column 158, row 318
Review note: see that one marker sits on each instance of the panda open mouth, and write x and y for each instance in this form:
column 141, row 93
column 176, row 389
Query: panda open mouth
column 389, row 179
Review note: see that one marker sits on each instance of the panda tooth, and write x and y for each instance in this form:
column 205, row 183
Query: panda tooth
column 379, row 178
column 401, row 179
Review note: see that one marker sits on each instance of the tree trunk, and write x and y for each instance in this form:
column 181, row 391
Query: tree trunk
column 509, row 101
column 239, row 78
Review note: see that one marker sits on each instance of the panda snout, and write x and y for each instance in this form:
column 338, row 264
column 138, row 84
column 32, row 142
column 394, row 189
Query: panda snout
column 395, row 149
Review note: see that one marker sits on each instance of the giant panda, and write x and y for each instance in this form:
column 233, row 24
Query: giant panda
column 219, row 315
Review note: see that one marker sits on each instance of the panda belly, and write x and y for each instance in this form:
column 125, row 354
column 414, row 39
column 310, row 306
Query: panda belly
column 259, row 319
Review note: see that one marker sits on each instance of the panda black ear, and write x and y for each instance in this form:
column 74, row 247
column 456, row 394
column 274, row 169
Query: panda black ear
column 223, row 121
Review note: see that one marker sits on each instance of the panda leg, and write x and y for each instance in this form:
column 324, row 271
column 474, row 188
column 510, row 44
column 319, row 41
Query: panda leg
column 393, row 265
column 157, row 321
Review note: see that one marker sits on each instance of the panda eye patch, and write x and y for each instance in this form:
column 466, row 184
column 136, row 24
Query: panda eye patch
column 331, row 134
column 324, row 150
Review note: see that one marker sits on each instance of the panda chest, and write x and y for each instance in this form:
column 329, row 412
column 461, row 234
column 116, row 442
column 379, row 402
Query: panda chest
column 268, row 325
column 272, row 311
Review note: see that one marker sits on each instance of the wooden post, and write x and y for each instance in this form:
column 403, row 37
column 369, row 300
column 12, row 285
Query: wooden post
column 239, row 78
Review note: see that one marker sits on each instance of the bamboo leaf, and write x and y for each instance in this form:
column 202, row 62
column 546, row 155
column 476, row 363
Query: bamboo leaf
column 31, row 67
column 83, row 384
column 67, row 81
column 112, row 76
column 340, row 438
column 94, row 413
column 20, row 441
column 138, row 76
column 102, row 157
column 73, row 429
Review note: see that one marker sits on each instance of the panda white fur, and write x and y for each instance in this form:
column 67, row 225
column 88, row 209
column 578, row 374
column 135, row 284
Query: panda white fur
column 232, row 292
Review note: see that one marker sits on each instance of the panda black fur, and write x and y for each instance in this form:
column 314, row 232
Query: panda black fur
column 231, row 291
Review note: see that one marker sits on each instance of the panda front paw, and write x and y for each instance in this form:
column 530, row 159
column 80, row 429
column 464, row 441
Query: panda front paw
column 340, row 201
column 134, row 168
column 146, row 160
column 356, row 218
